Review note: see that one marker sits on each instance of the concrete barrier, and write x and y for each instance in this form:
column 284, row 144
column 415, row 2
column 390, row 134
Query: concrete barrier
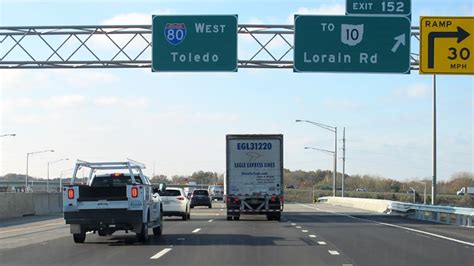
column 375, row 205
column 14, row 204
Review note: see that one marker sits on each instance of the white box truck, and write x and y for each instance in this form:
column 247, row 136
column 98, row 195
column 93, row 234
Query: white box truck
column 254, row 176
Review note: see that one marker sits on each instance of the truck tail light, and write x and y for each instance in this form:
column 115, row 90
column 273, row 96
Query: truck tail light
column 70, row 193
column 134, row 192
column 281, row 198
column 180, row 198
column 273, row 199
column 236, row 200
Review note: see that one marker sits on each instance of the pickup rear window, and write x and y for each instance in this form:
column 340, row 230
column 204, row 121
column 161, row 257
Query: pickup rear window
column 113, row 181
column 201, row 192
column 170, row 193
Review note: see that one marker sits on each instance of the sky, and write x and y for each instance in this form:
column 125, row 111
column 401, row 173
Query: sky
column 176, row 123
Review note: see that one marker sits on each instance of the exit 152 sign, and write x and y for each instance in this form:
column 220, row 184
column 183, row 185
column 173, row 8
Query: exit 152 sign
column 447, row 45
column 378, row 7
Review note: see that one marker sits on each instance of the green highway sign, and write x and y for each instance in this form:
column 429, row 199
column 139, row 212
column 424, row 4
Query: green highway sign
column 194, row 43
column 364, row 44
column 378, row 7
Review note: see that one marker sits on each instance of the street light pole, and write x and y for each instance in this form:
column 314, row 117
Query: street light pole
column 27, row 161
column 330, row 152
column 47, row 180
column 334, row 130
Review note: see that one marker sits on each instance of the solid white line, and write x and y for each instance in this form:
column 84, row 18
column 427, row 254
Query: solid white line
column 321, row 243
column 161, row 253
column 313, row 236
column 196, row 230
column 333, row 252
column 304, row 231
column 396, row 226
column 210, row 221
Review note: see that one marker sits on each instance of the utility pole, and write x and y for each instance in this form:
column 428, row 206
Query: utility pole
column 343, row 159
column 433, row 182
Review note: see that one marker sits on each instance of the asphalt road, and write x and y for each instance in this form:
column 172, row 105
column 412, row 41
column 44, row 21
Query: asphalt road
column 318, row 234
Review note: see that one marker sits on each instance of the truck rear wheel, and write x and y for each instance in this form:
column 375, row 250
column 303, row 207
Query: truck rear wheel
column 79, row 238
column 236, row 218
column 143, row 235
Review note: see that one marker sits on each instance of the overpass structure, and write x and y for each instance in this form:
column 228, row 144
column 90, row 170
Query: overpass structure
column 129, row 46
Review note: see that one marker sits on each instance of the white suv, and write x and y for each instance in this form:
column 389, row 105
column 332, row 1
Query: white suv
column 175, row 203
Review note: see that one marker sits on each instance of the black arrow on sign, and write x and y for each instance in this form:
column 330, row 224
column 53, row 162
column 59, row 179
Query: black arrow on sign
column 461, row 34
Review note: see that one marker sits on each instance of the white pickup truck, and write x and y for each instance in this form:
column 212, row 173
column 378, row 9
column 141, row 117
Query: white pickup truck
column 112, row 201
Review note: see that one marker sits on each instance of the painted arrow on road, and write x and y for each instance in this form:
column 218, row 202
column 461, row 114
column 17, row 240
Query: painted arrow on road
column 460, row 34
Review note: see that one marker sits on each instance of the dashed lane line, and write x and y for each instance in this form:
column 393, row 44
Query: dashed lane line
column 210, row 221
column 333, row 252
column 322, row 243
column 312, row 236
column 304, row 231
column 160, row 254
column 394, row 225
column 293, row 224
column 196, row 230
column 298, row 227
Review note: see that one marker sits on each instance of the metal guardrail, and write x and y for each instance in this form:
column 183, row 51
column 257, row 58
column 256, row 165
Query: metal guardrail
column 436, row 213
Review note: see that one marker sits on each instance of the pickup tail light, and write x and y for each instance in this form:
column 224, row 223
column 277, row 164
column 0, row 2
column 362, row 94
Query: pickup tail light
column 134, row 192
column 180, row 198
column 70, row 193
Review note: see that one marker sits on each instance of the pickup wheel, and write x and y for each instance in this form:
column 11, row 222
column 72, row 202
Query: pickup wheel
column 277, row 216
column 102, row 233
column 143, row 235
column 184, row 217
column 210, row 206
column 157, row 231
column 79, row 238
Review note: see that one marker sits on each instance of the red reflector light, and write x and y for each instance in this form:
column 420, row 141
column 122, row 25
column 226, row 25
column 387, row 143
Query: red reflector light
column 236, row 200
column 180, row 198
column 70, row 193
column 273, row 199
column 134, row 192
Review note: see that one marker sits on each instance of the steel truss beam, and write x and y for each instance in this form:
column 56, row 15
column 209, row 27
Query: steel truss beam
column 129, row 46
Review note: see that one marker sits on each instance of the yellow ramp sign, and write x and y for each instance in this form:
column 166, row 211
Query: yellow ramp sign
column 447, row 45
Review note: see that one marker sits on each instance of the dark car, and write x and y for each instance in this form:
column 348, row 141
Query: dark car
column 200, row 197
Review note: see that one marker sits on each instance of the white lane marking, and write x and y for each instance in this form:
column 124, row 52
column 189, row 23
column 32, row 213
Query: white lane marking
column 396, row 226
column 161, row 253
column 217, row 214
column 321, row 243
column 32, row 227
column 210, row 221
column 313, row 236
column 304, row 231
column 333, row 252
column 293, row 224
column 196, row 230
column 88, row 233
column 298, row 227
column 347, row 265
column 221, row 210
